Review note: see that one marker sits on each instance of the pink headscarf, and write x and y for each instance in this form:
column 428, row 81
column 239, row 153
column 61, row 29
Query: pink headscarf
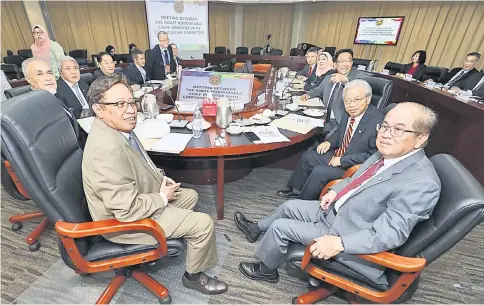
column 41, row 47
column 328, row 66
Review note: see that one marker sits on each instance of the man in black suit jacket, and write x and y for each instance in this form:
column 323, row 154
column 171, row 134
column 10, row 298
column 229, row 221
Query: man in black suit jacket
column 135, row 72
column 457, row 77
column 160, row 59
column 474, row 85
column 352, row 143
column 310, row 68
column 70, row 90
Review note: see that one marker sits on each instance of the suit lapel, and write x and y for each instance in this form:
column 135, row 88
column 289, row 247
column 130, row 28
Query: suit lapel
column 147, row 163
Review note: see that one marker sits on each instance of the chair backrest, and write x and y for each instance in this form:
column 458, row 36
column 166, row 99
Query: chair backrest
column 296, row 52
column 88, row 78
column 435, row 73
column 220, row 50
column 78, row 53
column 25, row 53
column 255, row 51
column 14, row 59
column 9, row 53
column 382, row 89
column 360, row 62
column 459, row 210
column 393, row 67
column 276, row 52
column 146, row 54
column 9, row 93
column 11, row 71
column 118, row 70
column 242, row 50
column 330, row 50
column 122, row 57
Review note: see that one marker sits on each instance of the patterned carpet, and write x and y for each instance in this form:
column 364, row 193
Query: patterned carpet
column 41, row 277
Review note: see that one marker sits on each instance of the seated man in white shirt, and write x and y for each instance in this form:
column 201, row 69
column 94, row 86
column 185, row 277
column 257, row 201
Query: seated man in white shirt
column 70, row 90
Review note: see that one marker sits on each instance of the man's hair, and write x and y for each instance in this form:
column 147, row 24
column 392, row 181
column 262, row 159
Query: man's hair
column 359, row 83
column 313, row 50
column 478, row 55
column 341, row 51
column 66, row 58
column 161, row 33
column 26, row 64
column 173, row 44
column 100, row 86
column 426, row 119
column 135, row 52
column 100, row 56
column 131, row 46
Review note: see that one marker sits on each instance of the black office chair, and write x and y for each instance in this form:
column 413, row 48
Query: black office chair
column 382, row 89
column 14, row 60
column 25, row 53
column 330, row 50
column 360, row 62
column 459, row 210
column 305, row 47
column 435, row 73
column 296, row 52
column 87, row 78
column 9, row 93
column 80, row 55
column 220, row 50
column 276, row 52
column 12, row 71
column 393, row 67
column 118, row 70
column 45, row 154
column 255, row 51
column 123, row 57
column 242, row 50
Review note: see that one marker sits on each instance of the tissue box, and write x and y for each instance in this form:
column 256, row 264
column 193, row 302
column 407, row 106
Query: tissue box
column 209, row 109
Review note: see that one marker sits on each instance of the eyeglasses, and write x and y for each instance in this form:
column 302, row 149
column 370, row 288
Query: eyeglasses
column 394, row 131
column 349, row 61
column 356, row 101
column 38, row 33
column 122, row 105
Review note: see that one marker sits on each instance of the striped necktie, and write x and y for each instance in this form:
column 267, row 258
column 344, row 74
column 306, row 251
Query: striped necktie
column 346, row 141
column 455, row 79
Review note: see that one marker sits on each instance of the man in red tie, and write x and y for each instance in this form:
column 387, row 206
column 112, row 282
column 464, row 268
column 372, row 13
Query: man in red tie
column 352, row 143
column 374, row 211
column 310, row 68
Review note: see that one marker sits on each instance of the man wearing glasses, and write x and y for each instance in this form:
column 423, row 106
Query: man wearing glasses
column 374, row 211
column 331, row 88
column 121, row 182
column 160, row 59
column 352, row 143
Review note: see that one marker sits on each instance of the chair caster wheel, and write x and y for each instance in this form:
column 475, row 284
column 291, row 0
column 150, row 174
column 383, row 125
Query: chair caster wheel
column 16, row 226
column 35, row 246
column 166, row 300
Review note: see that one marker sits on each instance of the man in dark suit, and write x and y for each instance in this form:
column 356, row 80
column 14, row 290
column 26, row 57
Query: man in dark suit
column 135, row 72
column 457, row 77
column 475, row 83
column 174, row 50
column 331, row 88
column 70, row 90
column 310, row 68
column 160, row 59
column 352, row 143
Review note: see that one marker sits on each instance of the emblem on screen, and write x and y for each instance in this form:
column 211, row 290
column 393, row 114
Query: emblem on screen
column 179, row 7
column 379, row 22
column 215, row 80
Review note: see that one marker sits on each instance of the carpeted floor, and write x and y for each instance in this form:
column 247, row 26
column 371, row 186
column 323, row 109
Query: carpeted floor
column 42, row 277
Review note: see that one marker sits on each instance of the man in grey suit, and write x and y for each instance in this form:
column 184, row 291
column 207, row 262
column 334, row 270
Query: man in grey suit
column 331, row 88
column 374, row 211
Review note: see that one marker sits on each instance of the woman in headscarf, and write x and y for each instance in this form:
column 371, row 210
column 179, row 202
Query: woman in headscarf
column 45, row 49
column 324, row 66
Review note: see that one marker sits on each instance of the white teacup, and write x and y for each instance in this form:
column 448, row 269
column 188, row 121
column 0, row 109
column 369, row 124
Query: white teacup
column 385, row 71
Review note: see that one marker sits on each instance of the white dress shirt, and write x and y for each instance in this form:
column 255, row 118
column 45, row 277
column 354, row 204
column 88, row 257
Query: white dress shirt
column 162, row 195
column 83, row 101
column 142, row 71
column 458, row 73
column 387, row 163
column 355, row 125
column 479, row 83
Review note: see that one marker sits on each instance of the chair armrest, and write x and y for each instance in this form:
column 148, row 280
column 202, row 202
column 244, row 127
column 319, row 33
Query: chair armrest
column 328, row 186
column 85, row 229
column 385, row 259
column 351, row 171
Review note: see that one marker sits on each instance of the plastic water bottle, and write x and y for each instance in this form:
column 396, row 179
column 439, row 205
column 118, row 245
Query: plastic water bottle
column 197, row 124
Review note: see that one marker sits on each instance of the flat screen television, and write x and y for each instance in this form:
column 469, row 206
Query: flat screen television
column 378, row 30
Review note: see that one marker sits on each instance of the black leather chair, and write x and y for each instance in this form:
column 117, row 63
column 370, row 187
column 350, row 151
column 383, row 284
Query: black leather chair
column 330, row 50
column 382, row 89
column 393, row 67
column 14, row 59
column 25, row 53
column 296, row 52
column 9, row 93
column 12, row 71
column 435, row 73
column 276, row 52
column 220, row 50
column 44, row 152
column 80, row 55
column 242, row 50
column 87, row 78
column 360, row 62
column 459, row 210
column 305, row 46
column 255, row 51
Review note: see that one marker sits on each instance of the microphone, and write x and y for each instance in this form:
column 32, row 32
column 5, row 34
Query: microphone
column 179, row 123
column 192, row 57
column 282, row 93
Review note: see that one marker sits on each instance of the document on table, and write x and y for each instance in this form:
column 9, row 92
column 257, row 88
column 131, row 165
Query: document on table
column 269, row 134
column 297, row 123
column 312, row 102
column 173, row 143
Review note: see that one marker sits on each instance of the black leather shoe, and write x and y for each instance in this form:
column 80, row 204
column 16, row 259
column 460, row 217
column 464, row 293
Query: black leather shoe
column 287, row 194
column 253, row 271
column 205, row 285
column 243, row 224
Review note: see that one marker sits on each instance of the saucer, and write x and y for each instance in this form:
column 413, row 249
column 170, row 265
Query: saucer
column 314, row 112
column 205, row 125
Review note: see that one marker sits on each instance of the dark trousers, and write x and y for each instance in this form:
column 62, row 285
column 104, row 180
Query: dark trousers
column 313, row 173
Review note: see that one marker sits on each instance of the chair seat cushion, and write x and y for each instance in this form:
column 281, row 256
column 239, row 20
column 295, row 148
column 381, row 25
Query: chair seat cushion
column 104, row 249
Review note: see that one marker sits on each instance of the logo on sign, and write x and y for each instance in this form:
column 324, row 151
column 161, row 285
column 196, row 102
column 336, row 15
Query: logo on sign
column 179, row 7
column 379, row 22
column 215, row 80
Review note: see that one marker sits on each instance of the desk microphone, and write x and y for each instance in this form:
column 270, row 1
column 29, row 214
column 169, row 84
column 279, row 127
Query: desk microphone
column 192, row 57
column 282, row 93
column 179, row 123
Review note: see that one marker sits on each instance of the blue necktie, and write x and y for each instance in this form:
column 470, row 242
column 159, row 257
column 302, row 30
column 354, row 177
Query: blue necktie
column 135, row 145
column 167, row 59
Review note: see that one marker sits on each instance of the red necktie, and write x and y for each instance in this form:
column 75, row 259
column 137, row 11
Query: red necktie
column 310, row 71
column 370, row 172
column 346, row 140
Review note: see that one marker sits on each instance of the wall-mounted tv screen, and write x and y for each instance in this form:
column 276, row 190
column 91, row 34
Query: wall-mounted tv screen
column 378, row 30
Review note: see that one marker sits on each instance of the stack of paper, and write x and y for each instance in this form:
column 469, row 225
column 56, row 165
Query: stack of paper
column 173, row 143
column 86, row 123
column 269, row 134
column 312, row 102
column 297, row 123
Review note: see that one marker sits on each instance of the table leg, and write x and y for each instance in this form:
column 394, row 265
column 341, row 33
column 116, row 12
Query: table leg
column 220, row 187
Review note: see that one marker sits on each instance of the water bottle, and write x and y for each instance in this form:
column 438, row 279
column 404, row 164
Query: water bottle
column 197, row 124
